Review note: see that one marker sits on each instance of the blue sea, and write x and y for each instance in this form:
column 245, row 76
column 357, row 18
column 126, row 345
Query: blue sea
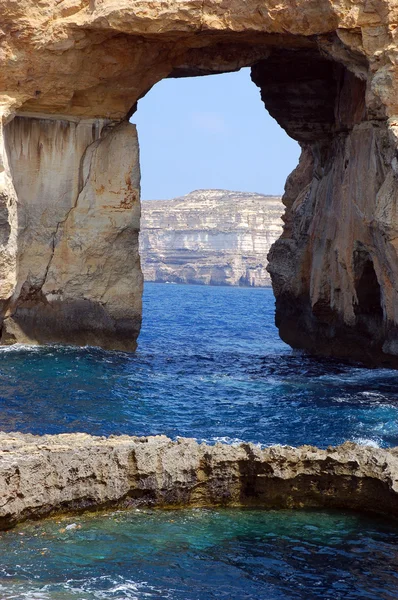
column 210, row 365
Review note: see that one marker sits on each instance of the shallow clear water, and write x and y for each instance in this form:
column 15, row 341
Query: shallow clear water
column 210, row 365
column 199, row 555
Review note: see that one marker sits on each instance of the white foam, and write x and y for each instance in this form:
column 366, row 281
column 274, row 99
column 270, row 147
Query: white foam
column 367, row 442
column 372, row 394
column 237, row 441
column 20, row 348
column 84, row 589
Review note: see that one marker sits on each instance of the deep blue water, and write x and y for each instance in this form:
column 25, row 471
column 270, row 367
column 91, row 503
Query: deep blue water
column 210, row 365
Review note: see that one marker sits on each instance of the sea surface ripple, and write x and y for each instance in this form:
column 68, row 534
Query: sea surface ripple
column 210, row 365
column 202, row 555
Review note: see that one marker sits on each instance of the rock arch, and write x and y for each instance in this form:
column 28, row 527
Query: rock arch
column 71, row 75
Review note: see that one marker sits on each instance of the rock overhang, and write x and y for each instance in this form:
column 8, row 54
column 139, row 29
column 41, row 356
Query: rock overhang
column 73, row 57
column 49, row 475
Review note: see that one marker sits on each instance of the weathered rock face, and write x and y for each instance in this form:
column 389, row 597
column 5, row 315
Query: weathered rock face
column 327, row 70
column 211, row 237
column 334, row 268
column 40, row 476
column 78, row 278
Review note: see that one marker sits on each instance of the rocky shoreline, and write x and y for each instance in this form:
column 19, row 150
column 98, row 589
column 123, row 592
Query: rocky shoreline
column 54, row 474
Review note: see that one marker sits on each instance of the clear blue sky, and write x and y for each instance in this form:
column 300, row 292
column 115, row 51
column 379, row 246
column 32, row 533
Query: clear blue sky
column 210, row 132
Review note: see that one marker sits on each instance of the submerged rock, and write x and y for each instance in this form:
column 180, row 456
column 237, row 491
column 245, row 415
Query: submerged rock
column 211, row 237
column 41, row 476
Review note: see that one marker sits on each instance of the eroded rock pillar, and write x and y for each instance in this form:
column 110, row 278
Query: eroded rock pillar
column 335, row 268
column 8, row 230
column 77, row 276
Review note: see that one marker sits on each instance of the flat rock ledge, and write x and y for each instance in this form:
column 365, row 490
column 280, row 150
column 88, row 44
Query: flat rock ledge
column 46, row 475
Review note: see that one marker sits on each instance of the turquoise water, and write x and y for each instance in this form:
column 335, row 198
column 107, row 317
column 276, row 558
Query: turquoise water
column 210, row 365
column 200, row 555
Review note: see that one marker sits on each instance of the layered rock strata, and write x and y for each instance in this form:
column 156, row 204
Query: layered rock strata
column 71, row 74
column 213, row 237
column 41, row 476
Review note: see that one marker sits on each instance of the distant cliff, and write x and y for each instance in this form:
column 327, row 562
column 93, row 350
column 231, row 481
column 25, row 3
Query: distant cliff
column 213, row 237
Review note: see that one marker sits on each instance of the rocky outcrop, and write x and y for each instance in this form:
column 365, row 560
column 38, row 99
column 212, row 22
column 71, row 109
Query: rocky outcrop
column 77, row 252
column 334, row 269
column 41, row 476
column 71, row 74
column 211, row 237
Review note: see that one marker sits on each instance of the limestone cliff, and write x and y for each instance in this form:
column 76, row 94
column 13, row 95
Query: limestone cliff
column 77, row 253
column 72, row 72
column 41, row 476
column 211, row 237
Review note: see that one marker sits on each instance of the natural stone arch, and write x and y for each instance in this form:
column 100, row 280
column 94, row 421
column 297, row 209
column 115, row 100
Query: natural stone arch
column 72, row 73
